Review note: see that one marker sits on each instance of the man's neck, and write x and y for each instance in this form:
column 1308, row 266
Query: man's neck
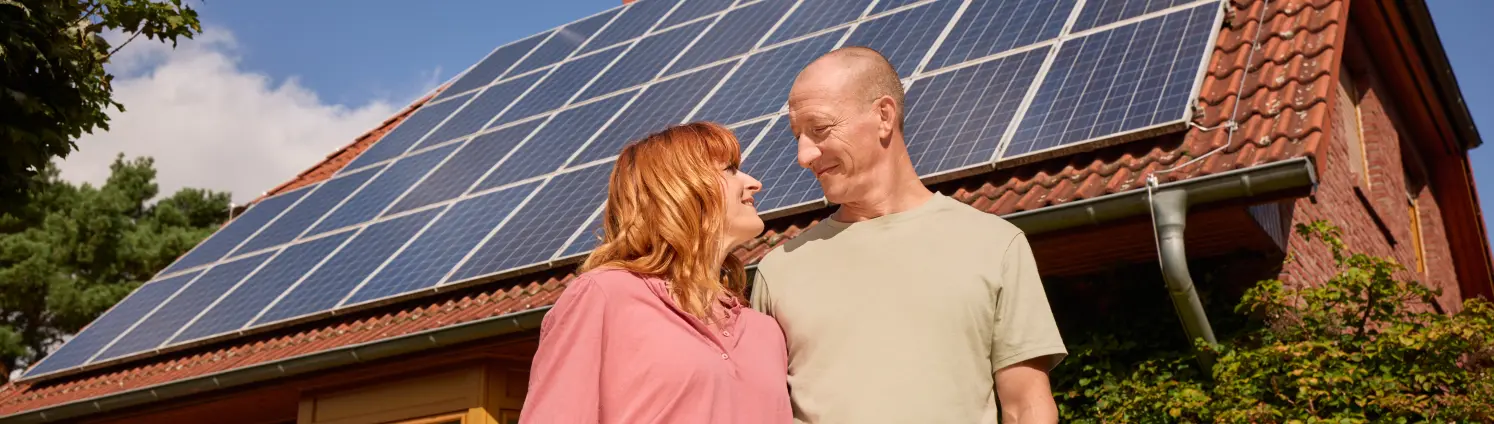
column 893, row 195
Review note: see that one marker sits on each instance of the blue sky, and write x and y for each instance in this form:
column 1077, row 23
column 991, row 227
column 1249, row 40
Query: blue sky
column 310, row 76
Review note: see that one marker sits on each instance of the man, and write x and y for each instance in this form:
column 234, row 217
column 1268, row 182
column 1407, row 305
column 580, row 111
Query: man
column 904, row 306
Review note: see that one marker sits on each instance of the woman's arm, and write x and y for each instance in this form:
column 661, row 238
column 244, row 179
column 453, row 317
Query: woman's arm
column 565, row 377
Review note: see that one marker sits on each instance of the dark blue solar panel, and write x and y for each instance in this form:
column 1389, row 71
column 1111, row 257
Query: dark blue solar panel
column 383, row 190
column 736, row 33
column 905, row 37
column 103, row 330
column 548, row 149
column 816, row 15
column 226, row 239
column 958, row 119
column 169, row 318
column 565, row 41
column 557, row 89
column 299, row 218
column 399, row 140
column 492, row 67
column 990, row 27
column 663, row 104
column 254, row 294
column 886, row 5
column 336, row 278
column 1119, row 80
column 774, row 161
column 1104, row 12
column 639, row 17
column 645, row 60
column 543, row 225
column 441, row 247
column 589, row 238
column 465, row 167
column 692, row 9
column 761, row 85
column 476, row 115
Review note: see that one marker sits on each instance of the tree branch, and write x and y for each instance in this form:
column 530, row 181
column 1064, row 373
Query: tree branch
column 116, row 48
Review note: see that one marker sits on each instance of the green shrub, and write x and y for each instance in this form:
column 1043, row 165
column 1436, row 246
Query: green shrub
column 1364, row 346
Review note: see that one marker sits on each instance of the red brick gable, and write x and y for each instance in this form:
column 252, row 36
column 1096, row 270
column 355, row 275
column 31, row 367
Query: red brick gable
column 1283, row 112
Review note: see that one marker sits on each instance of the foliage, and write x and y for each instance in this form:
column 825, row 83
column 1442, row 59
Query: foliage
column 1364, row 346
column 72, row 251
column 53, row 86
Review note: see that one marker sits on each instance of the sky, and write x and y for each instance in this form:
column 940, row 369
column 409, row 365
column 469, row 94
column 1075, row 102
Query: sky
column 273, row 86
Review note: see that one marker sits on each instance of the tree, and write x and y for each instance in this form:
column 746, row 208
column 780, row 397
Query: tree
column 72, row 251
column 53, row 86
column 1364, row 346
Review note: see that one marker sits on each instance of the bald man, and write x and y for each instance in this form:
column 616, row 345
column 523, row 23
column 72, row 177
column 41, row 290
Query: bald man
column 904, row 306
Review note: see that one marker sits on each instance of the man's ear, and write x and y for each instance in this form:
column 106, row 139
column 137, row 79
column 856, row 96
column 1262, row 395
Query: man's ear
column 886, row 116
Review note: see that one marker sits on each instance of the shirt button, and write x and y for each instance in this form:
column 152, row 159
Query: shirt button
column 723, row 356
column 726, row 333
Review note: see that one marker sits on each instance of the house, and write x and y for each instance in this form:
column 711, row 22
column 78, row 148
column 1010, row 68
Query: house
column 1309, row 109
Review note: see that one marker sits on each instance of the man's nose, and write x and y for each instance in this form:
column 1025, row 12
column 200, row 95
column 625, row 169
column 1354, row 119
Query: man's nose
column 808, row 153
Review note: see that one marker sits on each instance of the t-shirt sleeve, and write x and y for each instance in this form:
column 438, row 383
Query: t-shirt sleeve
column 565, row 377
column 1024, row 328
column 759, row 297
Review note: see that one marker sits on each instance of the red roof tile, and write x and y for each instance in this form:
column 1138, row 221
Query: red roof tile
column 1282, row 115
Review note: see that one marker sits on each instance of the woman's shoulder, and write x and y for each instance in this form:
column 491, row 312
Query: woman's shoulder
column 609, row 280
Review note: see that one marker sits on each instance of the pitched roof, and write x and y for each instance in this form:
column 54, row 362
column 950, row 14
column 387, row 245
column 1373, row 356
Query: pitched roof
column 1282, row 113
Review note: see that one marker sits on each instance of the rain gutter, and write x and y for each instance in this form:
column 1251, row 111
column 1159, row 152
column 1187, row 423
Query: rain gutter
column 1276, row 179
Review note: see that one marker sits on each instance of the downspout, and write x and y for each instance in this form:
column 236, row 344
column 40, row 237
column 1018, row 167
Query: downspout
column 1169, row 219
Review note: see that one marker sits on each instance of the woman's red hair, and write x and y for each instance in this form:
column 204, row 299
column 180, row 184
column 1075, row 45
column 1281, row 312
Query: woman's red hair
column 664, row 215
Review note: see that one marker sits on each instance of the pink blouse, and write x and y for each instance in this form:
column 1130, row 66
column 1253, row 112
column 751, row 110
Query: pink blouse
column 616, row 348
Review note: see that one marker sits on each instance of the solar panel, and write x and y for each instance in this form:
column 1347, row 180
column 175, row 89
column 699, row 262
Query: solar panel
column 563, row 42
column 398, row 140
column 465, row 167
column 378, row 194
column 476, row 115
column 428, row 260
column 245, row 226
column 662, row 104
column 958, row 119
column 240, row 305
column 1120, row 80
column 181, row 308
column 761, row 85
column 334, row 280
column 106, row 327
column 636, row 19
column 814, row 16
column 645, row 60
column 562, row 84
column 565, row 132
column 542, row 226
column 990, row 27
column 738, row 31
column 506, row 169
column 492, row 66
column 295, row 221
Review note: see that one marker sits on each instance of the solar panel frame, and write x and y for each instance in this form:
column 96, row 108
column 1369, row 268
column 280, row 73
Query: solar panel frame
column 91, row 332
column 457, row 86
column 1195, row 82
column 632, row 8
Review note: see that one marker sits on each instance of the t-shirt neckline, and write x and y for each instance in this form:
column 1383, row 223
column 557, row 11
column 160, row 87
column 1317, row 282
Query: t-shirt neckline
column 927, row 207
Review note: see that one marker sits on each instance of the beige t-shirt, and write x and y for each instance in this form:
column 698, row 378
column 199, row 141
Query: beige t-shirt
column 903, row 318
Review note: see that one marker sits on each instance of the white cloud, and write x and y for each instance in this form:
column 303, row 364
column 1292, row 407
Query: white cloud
column 210, row 123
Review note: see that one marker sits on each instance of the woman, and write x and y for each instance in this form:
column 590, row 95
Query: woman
column 656, row 329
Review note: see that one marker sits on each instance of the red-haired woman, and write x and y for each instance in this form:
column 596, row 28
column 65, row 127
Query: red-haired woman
column 656, row 328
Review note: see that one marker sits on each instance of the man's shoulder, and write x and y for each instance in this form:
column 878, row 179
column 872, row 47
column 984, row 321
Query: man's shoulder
column 964, row 220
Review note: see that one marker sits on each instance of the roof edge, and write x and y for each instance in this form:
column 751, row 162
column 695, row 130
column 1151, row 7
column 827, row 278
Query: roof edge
column 347, row 355
column 1433, row 56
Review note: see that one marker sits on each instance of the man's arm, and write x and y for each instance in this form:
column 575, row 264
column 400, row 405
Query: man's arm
column 1024, row 392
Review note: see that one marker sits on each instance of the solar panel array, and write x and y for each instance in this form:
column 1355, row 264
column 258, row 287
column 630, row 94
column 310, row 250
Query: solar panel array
column 505, row 170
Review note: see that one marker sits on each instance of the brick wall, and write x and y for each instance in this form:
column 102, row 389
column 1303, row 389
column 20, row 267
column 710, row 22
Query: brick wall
column 1375, row 216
